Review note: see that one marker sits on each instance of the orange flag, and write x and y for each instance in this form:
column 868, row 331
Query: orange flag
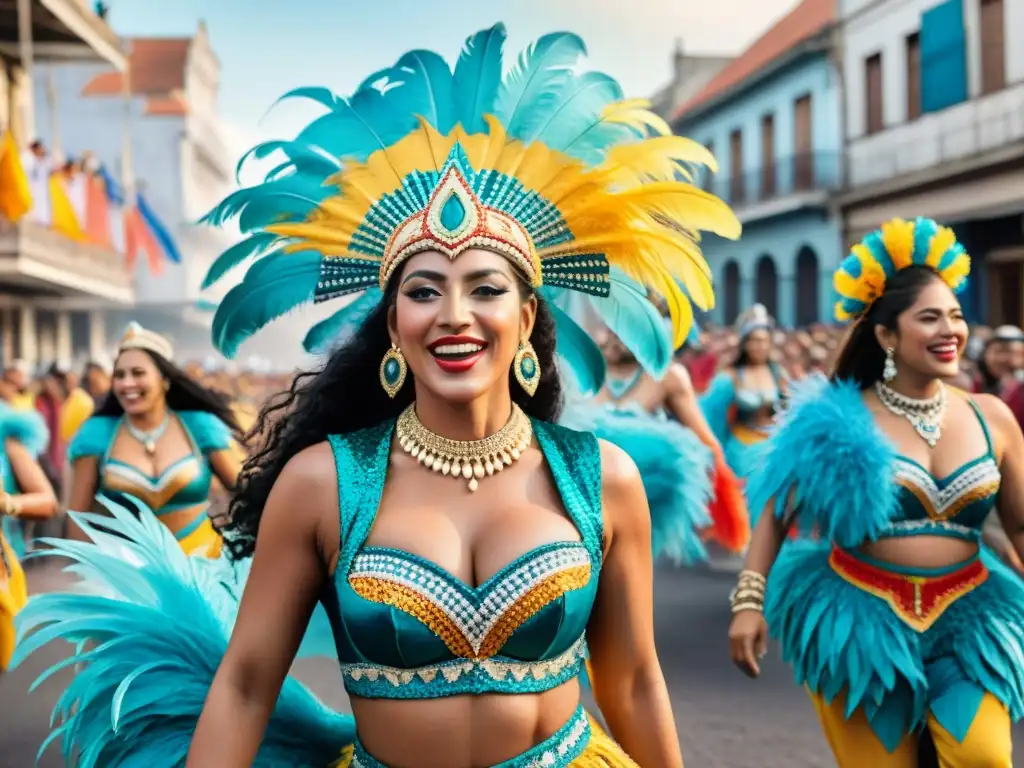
column 15, row 195
column 136, row 236
column 97, row 211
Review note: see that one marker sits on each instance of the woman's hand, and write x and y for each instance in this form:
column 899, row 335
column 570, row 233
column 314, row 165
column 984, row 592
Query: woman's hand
column 748, row 641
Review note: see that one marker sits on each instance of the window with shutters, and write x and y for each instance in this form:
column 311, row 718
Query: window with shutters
column 803, row 140
column 767, row 156
column 873, row 93
column 993, row 46
column 913, row 76
column 943, row 56
column 736, row 186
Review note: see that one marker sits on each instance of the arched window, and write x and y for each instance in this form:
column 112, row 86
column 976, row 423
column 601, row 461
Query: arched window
column 731, row 289
column 767, row 286
column 807, row 284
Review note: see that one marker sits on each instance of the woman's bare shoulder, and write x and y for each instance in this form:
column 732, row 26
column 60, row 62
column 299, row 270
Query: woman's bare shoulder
column 622, row 490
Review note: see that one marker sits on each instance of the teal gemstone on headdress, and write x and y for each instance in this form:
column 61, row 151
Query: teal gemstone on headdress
column 453, row 213
column 392, row 370
column 528, row 367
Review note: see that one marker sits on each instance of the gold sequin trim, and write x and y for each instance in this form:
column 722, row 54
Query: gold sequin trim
column 411, row 602
column 547, row 591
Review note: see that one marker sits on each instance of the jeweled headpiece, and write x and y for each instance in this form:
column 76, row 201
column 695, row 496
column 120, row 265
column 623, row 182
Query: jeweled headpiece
column 137, row 337
column 754, row 319
column 581, row 190
column 898, row 244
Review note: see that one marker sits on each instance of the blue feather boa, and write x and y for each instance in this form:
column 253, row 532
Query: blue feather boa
column 675, row 466
column 829, row 463
column 150, row 627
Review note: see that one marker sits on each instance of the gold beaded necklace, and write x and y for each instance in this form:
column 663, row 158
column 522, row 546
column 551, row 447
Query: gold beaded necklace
column 468, row 459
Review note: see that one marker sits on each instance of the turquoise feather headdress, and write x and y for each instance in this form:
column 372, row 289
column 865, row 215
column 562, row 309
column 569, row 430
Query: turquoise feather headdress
column 898, row 244
column 580, row 189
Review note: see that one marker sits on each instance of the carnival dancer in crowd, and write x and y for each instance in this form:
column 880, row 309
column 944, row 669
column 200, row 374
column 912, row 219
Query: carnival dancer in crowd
column 465, row 199
column 899, row 623
column 159, row 437
column 26, row 495
column 742, row 400
column 655, row 417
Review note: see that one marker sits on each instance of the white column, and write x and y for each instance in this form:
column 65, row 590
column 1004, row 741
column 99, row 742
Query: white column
column 25, row 51
column 7, row 340
column 63, row 352
column 29, row 347
column 98, row 334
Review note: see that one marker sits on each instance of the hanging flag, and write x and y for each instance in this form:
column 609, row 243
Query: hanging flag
column 97, row 210
column 158, row 230
column 15, row 193
column 137, row 236
column 62, row 212
column 144, row 230
column 115, row 208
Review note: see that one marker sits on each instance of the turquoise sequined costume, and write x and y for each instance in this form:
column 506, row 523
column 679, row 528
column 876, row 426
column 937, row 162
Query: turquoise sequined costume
column 180, row 494
column 581, row 191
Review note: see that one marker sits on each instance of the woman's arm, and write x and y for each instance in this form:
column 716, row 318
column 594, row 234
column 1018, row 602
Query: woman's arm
column 682, row 403
column 36, row 500
column 289, row 569
column 627, row 678
column 84, row 482
column 1010, row 444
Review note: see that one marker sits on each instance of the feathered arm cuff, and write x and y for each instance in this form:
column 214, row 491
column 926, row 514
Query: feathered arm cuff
column 828, row 464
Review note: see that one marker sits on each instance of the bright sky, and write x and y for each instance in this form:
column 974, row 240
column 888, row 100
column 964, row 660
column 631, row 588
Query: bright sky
column 267, row 47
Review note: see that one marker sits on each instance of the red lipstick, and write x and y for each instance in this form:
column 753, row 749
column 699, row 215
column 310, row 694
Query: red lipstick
column 457, row 361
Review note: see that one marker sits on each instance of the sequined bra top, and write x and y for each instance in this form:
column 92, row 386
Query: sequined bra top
column 180, row 494
column 406, row 628
column 954, row 506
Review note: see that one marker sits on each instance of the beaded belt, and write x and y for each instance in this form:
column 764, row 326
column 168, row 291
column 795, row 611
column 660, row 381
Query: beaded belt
column 918, row 596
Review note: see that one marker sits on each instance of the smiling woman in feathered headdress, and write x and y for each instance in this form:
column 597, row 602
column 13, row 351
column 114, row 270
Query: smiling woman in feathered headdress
column 900, row 622
column 461, row 208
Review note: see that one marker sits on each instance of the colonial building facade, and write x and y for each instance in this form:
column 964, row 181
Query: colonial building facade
column 771, row 118
column 934, row 117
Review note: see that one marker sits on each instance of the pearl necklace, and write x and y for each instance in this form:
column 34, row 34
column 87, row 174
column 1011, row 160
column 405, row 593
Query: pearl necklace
column 925, row 416
column 149, row 438
column 471, row 460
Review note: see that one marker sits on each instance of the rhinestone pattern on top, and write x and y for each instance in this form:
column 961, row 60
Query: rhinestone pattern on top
column 974, row 483
column 473, row 614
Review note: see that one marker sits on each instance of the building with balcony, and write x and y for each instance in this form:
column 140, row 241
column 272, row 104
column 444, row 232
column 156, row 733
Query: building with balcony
column 770, row 117
column 177, row 157
column 934, row 112
column 51, row 286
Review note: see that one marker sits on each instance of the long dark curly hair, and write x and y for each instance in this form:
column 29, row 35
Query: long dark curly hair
column 183, row 394
column 343, row 396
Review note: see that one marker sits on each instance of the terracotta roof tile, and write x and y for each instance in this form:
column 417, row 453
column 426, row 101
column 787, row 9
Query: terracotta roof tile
column 157, row 67
column 807, row 19
column 166, row 106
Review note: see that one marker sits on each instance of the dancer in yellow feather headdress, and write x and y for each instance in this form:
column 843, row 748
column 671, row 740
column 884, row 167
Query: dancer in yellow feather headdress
column 465, row 205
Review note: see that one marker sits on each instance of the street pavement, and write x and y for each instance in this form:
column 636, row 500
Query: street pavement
column 724, row 719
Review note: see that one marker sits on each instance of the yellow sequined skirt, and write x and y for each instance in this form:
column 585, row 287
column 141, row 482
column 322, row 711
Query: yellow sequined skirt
column 13, row 596
column 580, row 743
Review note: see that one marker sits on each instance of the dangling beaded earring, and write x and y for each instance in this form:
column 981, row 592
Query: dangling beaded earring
column 527, row 367
column 889, row 369
column 393, row 371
